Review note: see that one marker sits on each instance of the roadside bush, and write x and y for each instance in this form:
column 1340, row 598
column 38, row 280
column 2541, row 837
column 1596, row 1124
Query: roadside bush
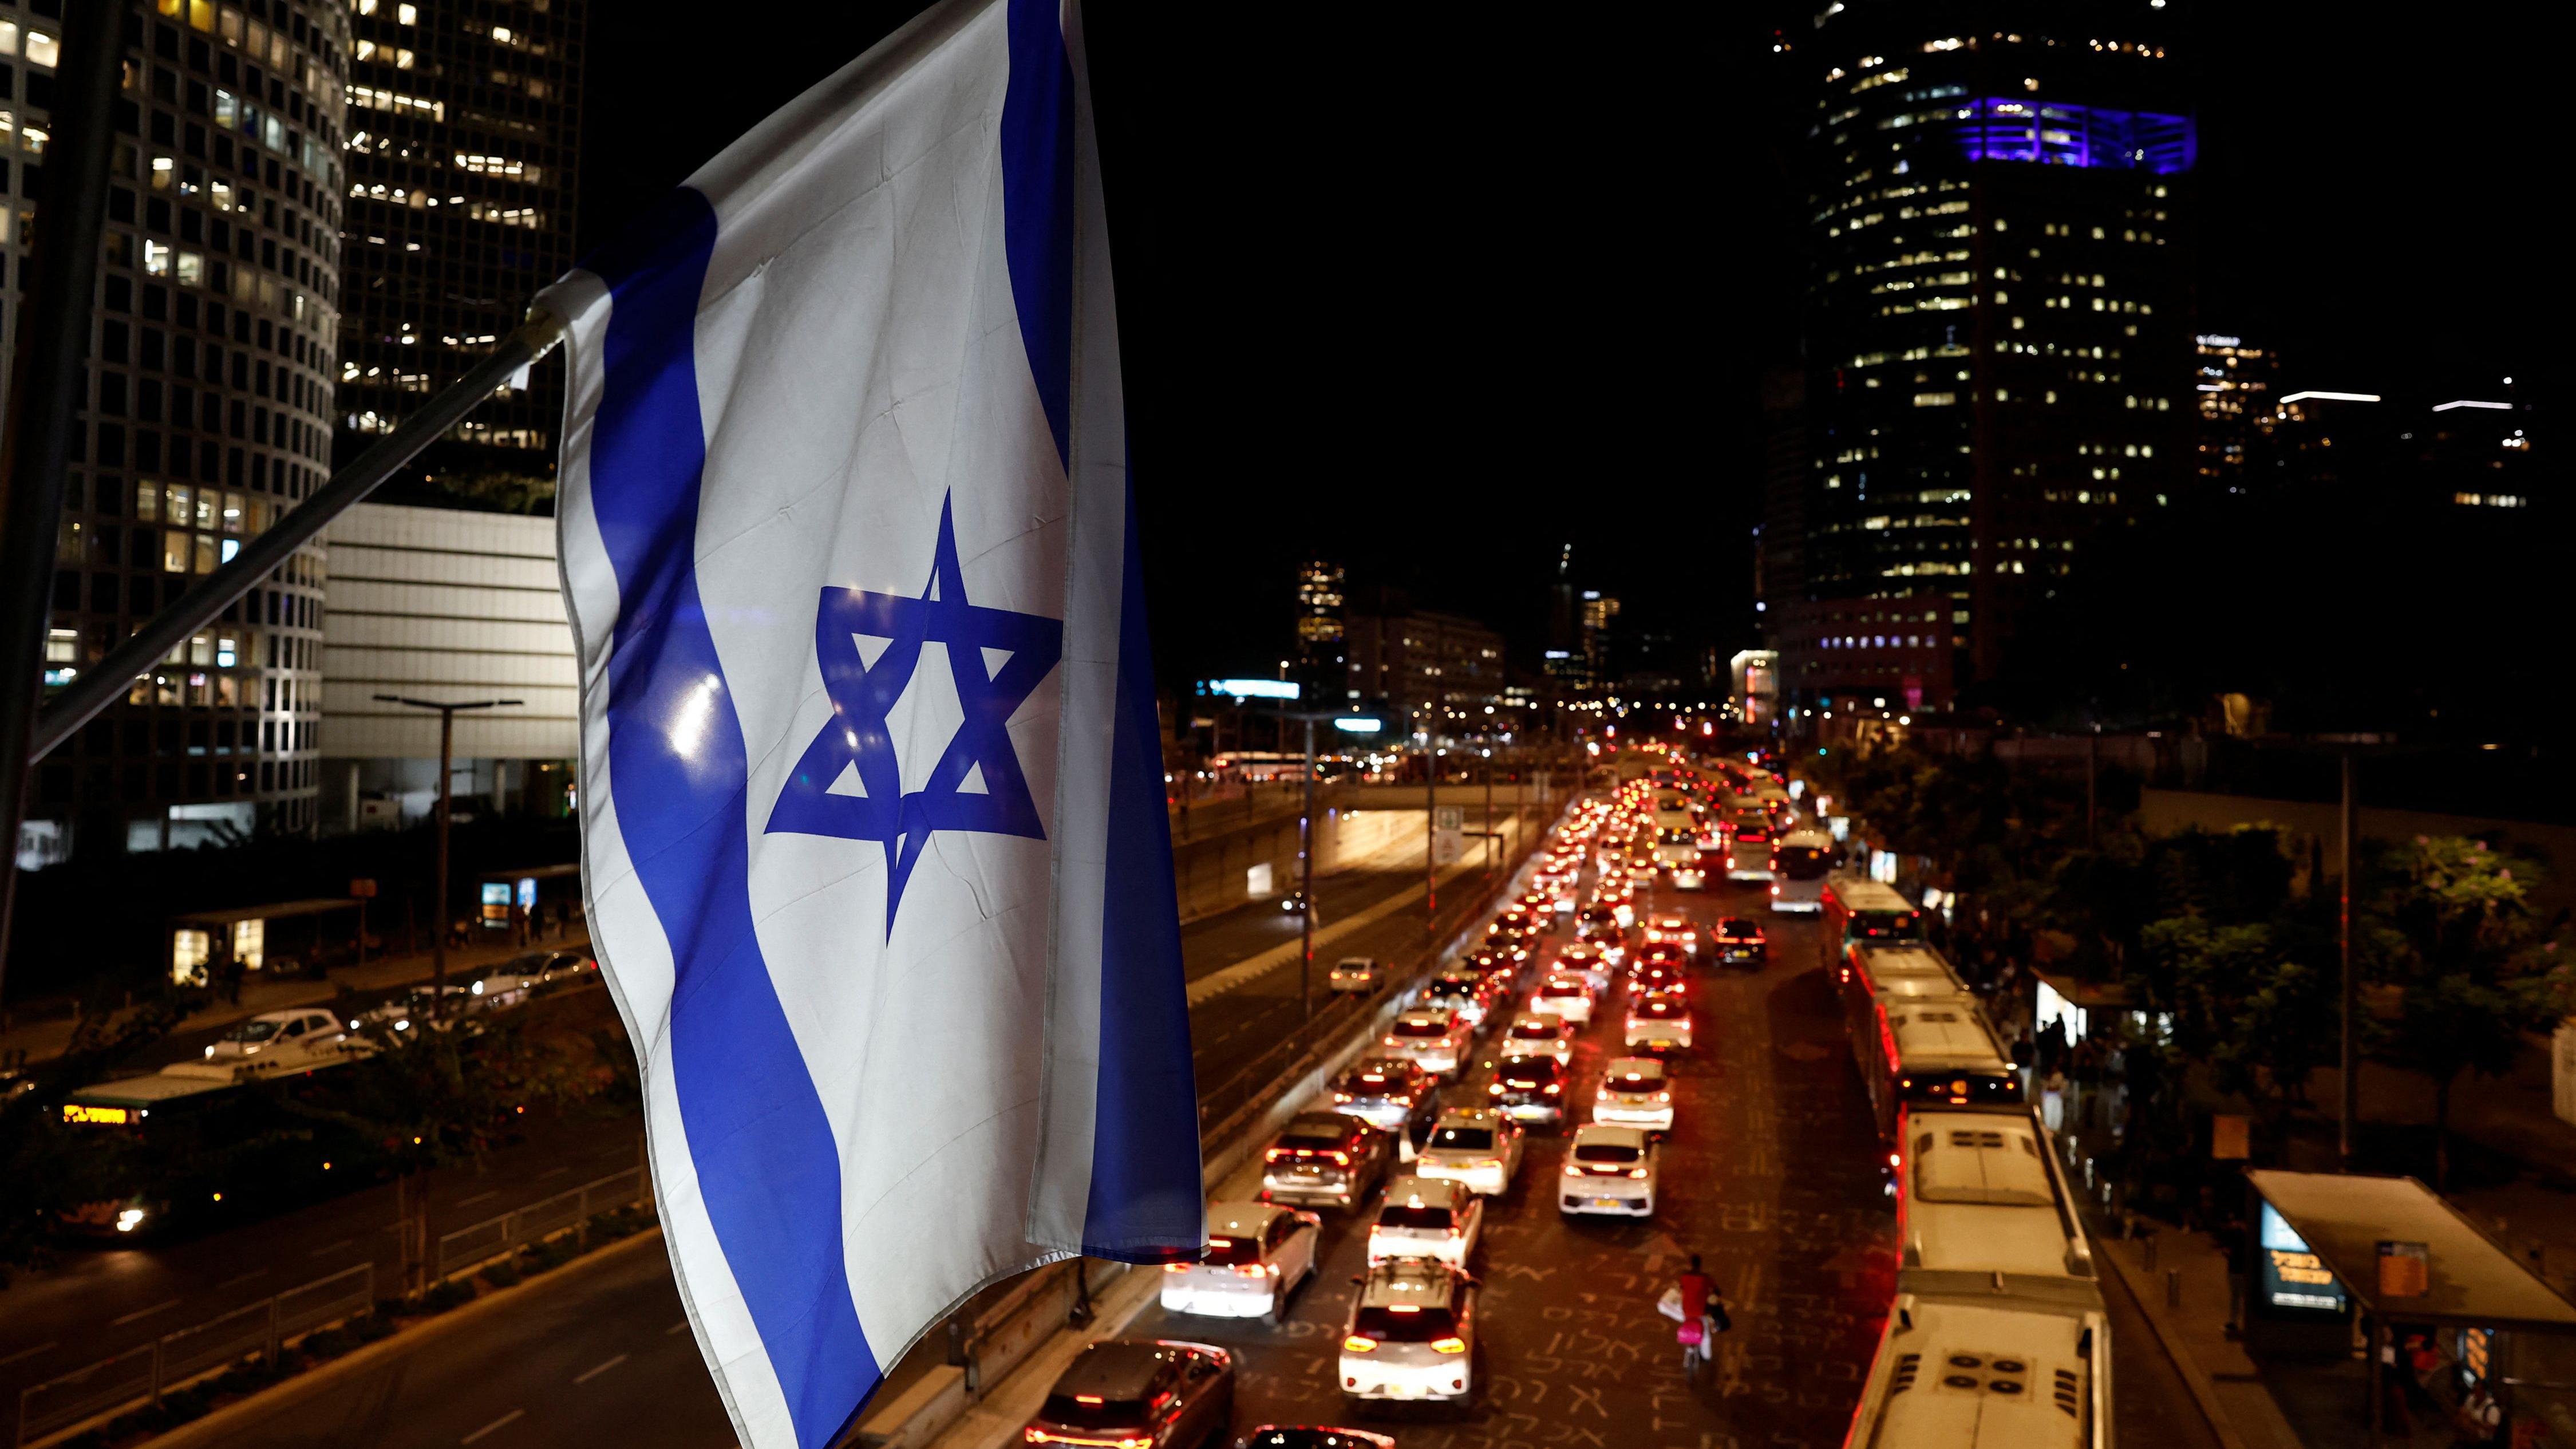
column 329, row 1343
column 553, row 1253
column 503, row 1274
column 372, row 1326
column 442, row 1296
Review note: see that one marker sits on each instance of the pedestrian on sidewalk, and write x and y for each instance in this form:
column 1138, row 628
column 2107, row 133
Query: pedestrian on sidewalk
column 2481, row 1419
column 2052, row 1100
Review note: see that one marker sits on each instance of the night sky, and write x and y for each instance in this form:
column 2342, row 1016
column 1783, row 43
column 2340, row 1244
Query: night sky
column 1434, row 296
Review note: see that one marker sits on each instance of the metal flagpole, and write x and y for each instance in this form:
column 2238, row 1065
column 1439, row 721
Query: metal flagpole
column 48, row 377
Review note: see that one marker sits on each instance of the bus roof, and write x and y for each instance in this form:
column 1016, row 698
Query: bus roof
column 163, row 1086
column 2004, row 1374
column 1807, row 837
column 1859, row 893
column 1939, row 1033
column 1983, row 1196
column 1905, row 970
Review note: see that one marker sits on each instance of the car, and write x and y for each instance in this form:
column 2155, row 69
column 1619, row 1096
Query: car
column 412, row 1008
column 1138, row 1393
column 1528, row 1089
column 1411, row 1334
column 1690, row 876
column 1609, row 1170
column 571, row 964
column 1391, row 1094
column 1502, row 936
column 1434, row 1038
column 1658, row 1022
column 1653, row 975
column 281, row 1038
column 1496, row 965
column 1595, row 920
column 1738, row 941
column 1311, row 1436
column 1478, row 1146
column 1537, row 1034
column 1673, row 931
column 1464, row 990
column 1634, row 1092
column 1613, row 946
column 1257, row 1255
column 1540, row 904
column 1642, row 872
column 1427, row 1217
column 1567, row 995
column 1325, row 1158
column 1355, row 974
column 1586, row 962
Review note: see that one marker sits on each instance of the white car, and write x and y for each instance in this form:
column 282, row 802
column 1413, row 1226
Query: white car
column 1433, row 1037
column 1673, row 931
column 1568, row 996
column 1589, row 962
column 1690, row 877
column 1427, row 1217
column 1537, row 1034
column 1609, row 1170
column 1257, row 1255
column 1354, row 974
column 1412, row 1334
column 412, row 1008
column 280, row 1038
column 1660, row 1021
column 1478, row 1146
column 1634, row 1092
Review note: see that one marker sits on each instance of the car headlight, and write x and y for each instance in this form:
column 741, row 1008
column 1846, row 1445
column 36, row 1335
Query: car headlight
column 128, row 1220
column 210, row 1053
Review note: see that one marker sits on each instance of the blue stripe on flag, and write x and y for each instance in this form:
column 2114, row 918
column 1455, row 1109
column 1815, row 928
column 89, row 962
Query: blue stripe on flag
column 764, row 1152
column 1037, row 204
column 1145, row 1190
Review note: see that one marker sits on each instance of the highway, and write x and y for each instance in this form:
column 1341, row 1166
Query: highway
column 1771, row 1174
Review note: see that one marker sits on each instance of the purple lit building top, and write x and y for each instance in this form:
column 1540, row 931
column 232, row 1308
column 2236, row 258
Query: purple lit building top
column 2003, row 129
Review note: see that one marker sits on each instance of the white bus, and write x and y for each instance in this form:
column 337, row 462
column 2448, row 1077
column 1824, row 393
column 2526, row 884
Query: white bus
column 2027, row 1370
column 1800, row 860
column 1860, row 909
column 1983, row 1199
column 1924, row 1053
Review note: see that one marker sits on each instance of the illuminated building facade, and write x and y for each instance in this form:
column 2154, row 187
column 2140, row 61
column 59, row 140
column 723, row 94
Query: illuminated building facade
column 2235, row 394
column 463, row 122
column 1998, row 332
column 207, row 413
column 1322, row 651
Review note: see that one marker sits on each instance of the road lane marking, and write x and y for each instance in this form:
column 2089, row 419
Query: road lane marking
column 141, row 1313
column 328, row 1248
column 478, row 1197
column 603, row 1368
column 511, row 1417
column 240, row 1278
column 680, row 1327
column 27, row 1353
column 552, row 1172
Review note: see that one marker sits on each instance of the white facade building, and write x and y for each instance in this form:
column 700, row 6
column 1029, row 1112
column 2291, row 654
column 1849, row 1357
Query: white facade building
column 444, row 605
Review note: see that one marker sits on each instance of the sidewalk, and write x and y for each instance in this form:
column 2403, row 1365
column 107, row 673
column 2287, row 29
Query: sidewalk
column 42, row 1040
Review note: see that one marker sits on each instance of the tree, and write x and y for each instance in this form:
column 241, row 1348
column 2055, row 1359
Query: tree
column 2461, row 967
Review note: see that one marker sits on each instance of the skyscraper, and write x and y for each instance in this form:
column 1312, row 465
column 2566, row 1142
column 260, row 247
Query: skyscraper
column 463, row 127
column 1998, row 339
column 1322, row 660
column 2234, row 395
column 208, row 416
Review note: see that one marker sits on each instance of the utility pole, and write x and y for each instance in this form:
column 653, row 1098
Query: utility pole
column 2092, row 773
column 48, row 377
column 1306, row 883
column 1489, row 809
column 1430, row 835
column 446, row 789
column 2351, row 1104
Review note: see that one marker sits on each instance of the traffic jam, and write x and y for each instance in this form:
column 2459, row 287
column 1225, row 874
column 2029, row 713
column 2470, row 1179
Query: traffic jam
column 1531, row 1087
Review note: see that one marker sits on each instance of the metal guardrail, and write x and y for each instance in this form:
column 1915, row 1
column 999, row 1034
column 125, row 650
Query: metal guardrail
column 470, row 1247
column 146, row 1371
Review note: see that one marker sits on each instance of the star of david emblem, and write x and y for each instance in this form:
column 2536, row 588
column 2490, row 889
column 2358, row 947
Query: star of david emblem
column 852, row 781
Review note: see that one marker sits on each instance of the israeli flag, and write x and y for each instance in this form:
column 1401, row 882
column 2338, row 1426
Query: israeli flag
column 871, row 781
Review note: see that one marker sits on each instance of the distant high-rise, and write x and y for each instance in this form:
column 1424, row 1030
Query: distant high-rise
column 1322, row 650
column 1599, row 618
column 463, row 142
column 2235, row 394
column 208, row 410
column 1998, row 338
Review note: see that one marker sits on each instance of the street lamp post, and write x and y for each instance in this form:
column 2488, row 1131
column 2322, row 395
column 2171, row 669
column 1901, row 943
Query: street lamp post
column 1306, row 883
column 446, row 783
column 2351, row 1057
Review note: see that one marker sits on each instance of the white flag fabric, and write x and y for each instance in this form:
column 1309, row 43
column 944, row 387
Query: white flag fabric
column 871, row 785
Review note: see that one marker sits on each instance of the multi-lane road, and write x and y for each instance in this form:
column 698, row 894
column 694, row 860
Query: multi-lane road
column 1771, row 1174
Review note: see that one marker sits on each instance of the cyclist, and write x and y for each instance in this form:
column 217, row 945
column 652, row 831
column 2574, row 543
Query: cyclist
column 1703, row 1317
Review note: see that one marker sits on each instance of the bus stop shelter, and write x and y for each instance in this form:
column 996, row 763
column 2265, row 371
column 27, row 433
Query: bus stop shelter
column 2400, row 1254
column 523, row 891
column 254, row 938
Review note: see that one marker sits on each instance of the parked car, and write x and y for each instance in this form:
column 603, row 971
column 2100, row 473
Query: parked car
column 1258, row 1254
column 1139, row 1393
